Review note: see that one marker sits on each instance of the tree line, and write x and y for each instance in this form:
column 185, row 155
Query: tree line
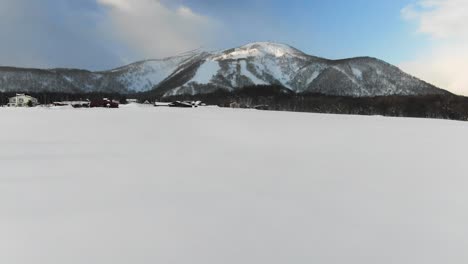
column 278, row 98
column 446, row 106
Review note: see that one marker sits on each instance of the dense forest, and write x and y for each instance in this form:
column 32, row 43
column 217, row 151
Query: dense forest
column 281, row 99
column 277, row 98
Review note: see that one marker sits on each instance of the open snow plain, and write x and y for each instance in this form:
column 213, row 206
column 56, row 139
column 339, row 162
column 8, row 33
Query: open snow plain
column 210, row 186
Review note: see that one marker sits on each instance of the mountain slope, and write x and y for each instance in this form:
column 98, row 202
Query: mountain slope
column 270, row 63
column 260, row 63
column 136, row 77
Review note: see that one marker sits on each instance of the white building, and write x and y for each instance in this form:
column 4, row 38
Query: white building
column 22, row 100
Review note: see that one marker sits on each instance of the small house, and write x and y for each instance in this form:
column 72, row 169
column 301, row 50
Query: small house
column 104, row 103
column 22, row 100
column 181, row 104
column 234, row 105
column 161, row 104
column 188, row 104
column 262, row 107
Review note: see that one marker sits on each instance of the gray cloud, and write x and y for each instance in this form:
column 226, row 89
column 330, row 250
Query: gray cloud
column 50, row 33
column 96, row 34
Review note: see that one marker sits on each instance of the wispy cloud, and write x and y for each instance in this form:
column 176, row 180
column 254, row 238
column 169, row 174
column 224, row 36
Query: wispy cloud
column 445, row 22
column 154, row 30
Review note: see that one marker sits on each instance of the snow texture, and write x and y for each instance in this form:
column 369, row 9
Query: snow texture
column 357, row 73
column 312, row 77
column 245, row 72
column 209, row 186
column 257, row 49
column 206, row 72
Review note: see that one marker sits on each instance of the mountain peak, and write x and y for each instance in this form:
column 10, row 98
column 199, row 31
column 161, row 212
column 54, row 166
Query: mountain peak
column 277, row 49
column 256, row 49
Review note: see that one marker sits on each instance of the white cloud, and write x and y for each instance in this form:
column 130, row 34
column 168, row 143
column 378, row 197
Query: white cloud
column 153, row 30
column 445, row 63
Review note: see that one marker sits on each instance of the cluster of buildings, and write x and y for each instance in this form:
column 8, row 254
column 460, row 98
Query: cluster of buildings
column 24, row 100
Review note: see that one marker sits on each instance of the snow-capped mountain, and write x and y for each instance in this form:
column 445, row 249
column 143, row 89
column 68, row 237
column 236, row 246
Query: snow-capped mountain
column 260, row 63
column 136, row 77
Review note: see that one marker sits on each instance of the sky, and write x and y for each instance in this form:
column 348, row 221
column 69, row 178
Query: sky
column 426, row 38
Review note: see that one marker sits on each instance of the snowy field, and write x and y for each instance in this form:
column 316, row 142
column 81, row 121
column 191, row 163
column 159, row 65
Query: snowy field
column 221, row 186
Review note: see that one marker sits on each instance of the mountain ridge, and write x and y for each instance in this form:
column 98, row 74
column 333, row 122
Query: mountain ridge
column 258, row 63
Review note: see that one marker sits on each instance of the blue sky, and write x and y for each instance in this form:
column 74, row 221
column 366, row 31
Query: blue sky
column 332, row 28
column 424, row 37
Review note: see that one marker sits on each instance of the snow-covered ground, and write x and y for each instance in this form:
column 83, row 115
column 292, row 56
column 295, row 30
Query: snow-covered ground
column 211, row 186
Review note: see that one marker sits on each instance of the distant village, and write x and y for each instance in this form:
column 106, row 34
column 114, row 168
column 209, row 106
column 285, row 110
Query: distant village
column 437, row 106
column 25, row 100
